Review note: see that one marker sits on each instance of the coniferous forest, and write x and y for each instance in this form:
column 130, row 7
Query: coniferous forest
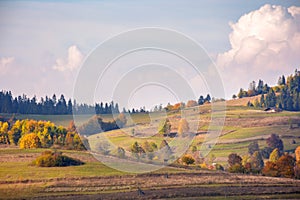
column 51, row 106
column 285, row 95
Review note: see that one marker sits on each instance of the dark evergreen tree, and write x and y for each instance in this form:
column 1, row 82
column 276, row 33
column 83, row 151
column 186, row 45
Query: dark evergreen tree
column 201, row 100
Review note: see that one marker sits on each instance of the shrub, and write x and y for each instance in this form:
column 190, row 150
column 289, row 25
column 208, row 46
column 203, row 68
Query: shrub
column 55, row 159
column 188, row 159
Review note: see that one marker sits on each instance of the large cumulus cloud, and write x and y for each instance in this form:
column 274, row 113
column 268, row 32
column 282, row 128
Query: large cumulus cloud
column 265, row 40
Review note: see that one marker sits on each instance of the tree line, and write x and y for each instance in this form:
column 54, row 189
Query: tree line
column 30, row 134
column 285, row 95
column 51, row 105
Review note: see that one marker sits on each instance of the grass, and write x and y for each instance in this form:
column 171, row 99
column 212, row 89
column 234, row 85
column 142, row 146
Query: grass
column 15, row 164
column 18, row 171
column 242, row 133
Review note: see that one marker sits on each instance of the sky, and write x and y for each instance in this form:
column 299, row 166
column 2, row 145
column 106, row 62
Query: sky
column 43, row 44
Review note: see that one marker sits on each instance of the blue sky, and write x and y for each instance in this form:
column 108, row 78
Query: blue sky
column 42, row 43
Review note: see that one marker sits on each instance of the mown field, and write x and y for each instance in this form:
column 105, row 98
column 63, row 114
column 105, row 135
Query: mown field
column 96, row 181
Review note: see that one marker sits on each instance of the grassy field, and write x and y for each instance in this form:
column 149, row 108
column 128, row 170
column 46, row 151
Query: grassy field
column 18, row 179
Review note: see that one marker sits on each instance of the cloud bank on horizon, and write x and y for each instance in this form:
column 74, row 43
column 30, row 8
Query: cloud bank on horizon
column 266, row 40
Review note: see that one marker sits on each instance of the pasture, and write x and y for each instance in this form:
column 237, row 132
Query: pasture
column 19, row 179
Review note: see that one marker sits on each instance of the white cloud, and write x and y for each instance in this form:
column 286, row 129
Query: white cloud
column 266, row 40
column 5, row 62
column 72, row 62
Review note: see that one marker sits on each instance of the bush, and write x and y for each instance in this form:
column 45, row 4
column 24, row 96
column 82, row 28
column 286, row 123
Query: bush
column 55, row 159
column 188, row 159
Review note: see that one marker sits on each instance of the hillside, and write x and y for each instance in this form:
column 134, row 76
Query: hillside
column 243, row 125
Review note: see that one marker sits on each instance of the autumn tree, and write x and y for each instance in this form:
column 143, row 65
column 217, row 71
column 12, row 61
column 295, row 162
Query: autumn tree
column 4, row 139
column 183, row 127
column 285, row 166
column 30, row 141
column 15, row 133
column 270, row 169
column 274, row 156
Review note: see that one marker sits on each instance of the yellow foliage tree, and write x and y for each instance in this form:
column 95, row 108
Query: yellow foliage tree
column 4, row 133
column 30, row 141
column 274, row 156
